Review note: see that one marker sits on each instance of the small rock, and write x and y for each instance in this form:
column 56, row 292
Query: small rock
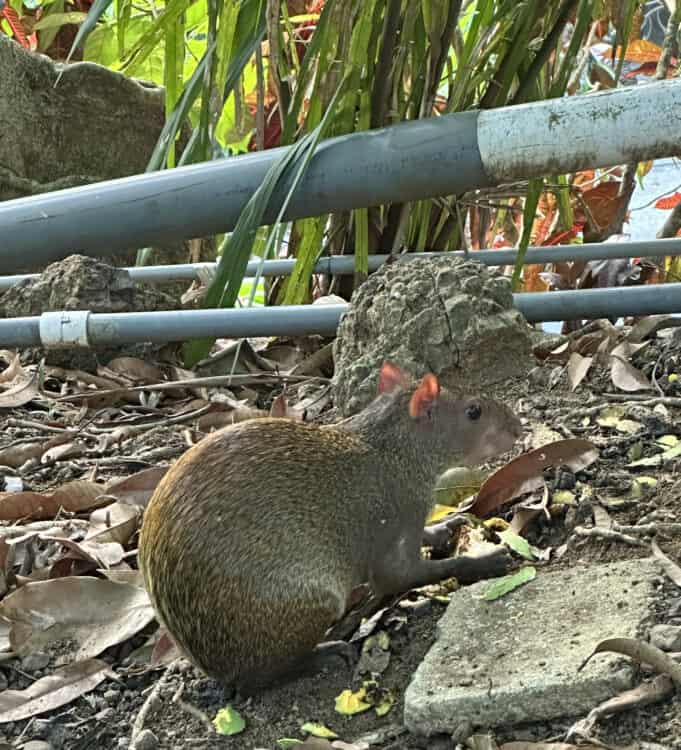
column 123, row 743
column 36, row 745
column 666, row 637
column 35, row 661
column 111, row 696
column 145, row 740
column 105, row 714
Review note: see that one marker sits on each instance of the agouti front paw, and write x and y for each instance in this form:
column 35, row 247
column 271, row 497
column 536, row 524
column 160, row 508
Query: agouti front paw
column 492, row 565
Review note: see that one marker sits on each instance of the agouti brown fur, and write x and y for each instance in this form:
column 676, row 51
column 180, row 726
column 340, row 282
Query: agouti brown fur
column 254, row 540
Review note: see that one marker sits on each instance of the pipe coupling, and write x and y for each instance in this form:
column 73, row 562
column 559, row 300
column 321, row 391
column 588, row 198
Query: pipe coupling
column 64, row 328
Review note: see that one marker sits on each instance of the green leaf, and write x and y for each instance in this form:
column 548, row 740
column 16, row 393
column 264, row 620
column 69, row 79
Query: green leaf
column 286, row 743
column 236, row 249
column 57, row 20
column 94, row 14
column 228, row 721
column 517, row 544
column 534, row 190
column 502, row 586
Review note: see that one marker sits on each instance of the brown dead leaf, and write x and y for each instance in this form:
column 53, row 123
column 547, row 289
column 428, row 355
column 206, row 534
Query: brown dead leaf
column 136, row 489
column 642, row 653
column 17, row 455
column 74, row 497
column 131, row 577
column 165, row 649
column 525, row 473
column 114, row 523
column 650, row 325
column 57, row 689
column 100, row 554
column 20, row 391
column 626, row 377
column 577, row 369
column 89, row 614
column 136, row 369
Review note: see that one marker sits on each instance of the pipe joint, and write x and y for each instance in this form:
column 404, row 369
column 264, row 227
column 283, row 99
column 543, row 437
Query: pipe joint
column 64, row 328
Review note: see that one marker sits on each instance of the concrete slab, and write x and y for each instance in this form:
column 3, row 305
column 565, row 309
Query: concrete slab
column 515, row 659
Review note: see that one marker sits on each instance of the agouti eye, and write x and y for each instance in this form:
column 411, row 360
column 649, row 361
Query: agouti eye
column 473, row 412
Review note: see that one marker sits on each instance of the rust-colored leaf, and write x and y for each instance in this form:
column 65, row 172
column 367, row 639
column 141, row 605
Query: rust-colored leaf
column 525, row 473
column 668, row 202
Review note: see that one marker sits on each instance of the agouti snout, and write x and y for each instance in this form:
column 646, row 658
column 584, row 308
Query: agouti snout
column 256, row 537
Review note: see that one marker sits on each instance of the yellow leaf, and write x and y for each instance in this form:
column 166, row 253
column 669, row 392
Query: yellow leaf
column 318, row 730
column 349, row 703
column 439, row 512
column 644, row 167
column 563, row 497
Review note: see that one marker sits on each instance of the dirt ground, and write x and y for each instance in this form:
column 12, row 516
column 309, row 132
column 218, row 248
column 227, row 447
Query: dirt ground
column 104, row 717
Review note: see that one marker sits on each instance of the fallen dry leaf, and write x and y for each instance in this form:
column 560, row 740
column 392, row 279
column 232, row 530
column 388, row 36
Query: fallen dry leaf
column 89, row 614
column 21, row 391
column 102, row 554
column 114, row 523
column 525, row 473
column 57, row 689
column 136, row 369
column 136, row 489
column 577, row 369
column 640, row 652
column 74, row 497
column 626, row 377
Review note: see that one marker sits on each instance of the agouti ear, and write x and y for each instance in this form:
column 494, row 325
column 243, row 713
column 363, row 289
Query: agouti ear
column 424, row 396
column 391, row 377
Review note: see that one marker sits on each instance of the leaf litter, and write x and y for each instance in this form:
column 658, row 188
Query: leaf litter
column 120, row 429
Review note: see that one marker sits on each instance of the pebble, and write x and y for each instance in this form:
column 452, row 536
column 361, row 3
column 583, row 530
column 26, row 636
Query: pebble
column 36, row 745
column 666, row 637
column 145, row 740
column 35, row 661
column 111, row 696
column 105, row 714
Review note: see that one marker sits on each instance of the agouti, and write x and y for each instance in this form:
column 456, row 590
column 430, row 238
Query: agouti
column 254, row 540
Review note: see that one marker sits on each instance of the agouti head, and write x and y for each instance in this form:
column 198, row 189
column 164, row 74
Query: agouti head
column 446, row 428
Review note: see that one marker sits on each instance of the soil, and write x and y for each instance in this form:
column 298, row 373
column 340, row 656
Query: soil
column 104, row 717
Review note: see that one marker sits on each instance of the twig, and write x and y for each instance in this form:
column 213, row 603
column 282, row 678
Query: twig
column 643, row 400
column 197, row 713
column 207, row 382
column 608, row 534
column 152, row 700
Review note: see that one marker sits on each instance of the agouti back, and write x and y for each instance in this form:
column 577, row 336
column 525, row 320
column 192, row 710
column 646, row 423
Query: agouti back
column 255, row 538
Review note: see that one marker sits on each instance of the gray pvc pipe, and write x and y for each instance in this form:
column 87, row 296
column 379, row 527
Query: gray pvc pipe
column 345, row 264
column 405, row 162
column 409, row 161
column 180, row 325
